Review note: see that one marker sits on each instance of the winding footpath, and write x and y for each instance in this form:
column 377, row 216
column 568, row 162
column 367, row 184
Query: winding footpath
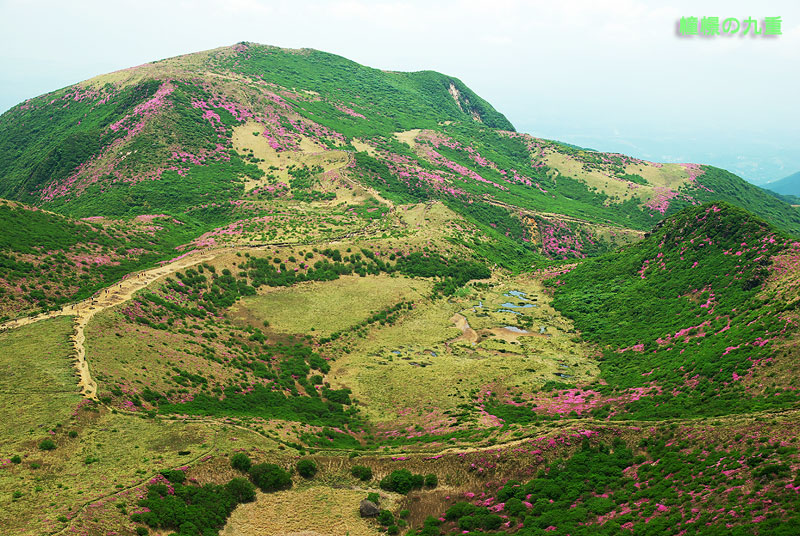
column 112, row 296
column 123, row 290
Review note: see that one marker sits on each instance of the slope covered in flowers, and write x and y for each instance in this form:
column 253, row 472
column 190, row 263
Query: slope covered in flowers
column 159, row 138
column 689, row 321
column 47, row 259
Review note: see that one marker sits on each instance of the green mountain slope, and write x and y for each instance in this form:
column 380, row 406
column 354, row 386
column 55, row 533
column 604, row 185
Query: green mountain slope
column 375, row 273
column 204, row 132
column 47, row 259
column 694, row 318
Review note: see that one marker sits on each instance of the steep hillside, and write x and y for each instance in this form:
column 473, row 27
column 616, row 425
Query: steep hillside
column 198, row 134
column 48, row 259
column 698, row 319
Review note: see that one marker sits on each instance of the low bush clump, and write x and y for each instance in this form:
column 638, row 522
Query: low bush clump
column 361, row 472
column 241, row 462
column 190, row 510
column 270, row 477
column 402, row 481
column 307, row 468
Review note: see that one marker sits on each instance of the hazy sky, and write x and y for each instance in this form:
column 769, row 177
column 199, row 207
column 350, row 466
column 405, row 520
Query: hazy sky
column 609, row 75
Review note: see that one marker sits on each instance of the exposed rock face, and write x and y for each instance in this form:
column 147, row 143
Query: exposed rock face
column 368, row 509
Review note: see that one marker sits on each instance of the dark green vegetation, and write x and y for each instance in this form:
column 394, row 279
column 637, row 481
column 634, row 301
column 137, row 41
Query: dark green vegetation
column 681, row 312
column 734, row 190
column 661, row 486
column 390, row 101
column 361, row 472
column 402, row 481
column 270, row 477
column 188, row 509
column 307, row 468
column 193, row 510
column 454, row 274
column 241, row 462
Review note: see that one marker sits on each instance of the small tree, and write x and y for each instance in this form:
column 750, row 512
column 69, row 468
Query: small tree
column 174, row 476
column 270, row 477
column 241, row 462
column 307, row 468
column 241, row 490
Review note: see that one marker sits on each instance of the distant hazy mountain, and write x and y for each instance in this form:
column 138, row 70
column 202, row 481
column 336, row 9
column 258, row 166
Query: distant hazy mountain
column 787, row 186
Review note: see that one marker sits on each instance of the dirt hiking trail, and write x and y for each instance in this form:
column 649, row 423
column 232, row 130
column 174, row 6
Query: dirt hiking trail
column 118, row 293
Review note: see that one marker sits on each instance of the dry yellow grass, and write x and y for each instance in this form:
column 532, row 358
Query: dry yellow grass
column 325, row 307
column 408, row 136
column 310, row 154
column 38, row 388
column 669, row 175
column 424, row 364
column 309, row 511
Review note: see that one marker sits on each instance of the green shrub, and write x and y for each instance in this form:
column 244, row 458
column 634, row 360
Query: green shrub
column 241, row 462
column 270, row 477
column 374, row 497
column 73, row 434
column 402, row 481
column 47, row 444
column 392, row 529
column 241, row 489
column 459, row 510
column 361, row 472
column 385, row 518
column 191, row 510
column 16, row 459
column 307, row 468
column 431, row 481
column 174, row 476
column 142, row 531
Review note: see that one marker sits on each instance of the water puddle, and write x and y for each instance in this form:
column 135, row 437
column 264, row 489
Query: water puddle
column 515, row 306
